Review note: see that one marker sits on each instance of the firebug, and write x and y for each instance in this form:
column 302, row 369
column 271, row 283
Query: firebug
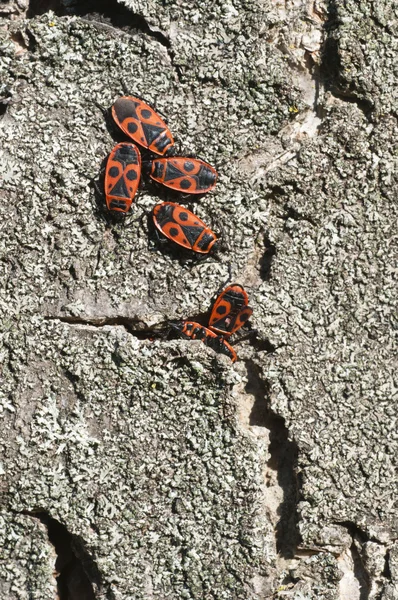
column 142, row 124
column 188, row 175
column 184, row 228
column 230, row 311
column 122, row 177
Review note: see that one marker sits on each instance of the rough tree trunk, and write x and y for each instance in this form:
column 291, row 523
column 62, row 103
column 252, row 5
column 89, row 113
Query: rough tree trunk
column 138, row 467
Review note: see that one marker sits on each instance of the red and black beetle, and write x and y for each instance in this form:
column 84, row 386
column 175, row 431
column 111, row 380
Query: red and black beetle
column 142, row 124
column 187, row 175
column 184, row 228
column 122, row 177
column 230, row 311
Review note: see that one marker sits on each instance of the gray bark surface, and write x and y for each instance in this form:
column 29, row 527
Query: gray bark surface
column 133, row 466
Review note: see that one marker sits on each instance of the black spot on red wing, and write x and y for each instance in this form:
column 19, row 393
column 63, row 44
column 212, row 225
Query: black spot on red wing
column 221, row 310
column 131, row 175
column 244, row 317
column 113, row 172
column 109, row 186
column 132, row 127
column 189, row 165
column 183, row 216
column 146, row 114
column 185, row 184
column 173, row 232
column 185, row 241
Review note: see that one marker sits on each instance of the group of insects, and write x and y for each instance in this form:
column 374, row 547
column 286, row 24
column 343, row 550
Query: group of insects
column 172, row 223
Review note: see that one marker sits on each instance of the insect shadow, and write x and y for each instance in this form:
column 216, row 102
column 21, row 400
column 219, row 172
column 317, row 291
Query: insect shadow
column 114, row 131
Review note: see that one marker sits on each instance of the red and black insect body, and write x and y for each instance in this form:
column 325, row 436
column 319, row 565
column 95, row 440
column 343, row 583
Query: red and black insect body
column 195, row 331
column 183, row 227
column 231, row 310
column 122, row 177
column 142, row 124
column 188, row 175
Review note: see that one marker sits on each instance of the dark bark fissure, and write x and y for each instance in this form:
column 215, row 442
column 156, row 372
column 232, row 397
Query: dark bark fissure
column 356, row 532
column 330, row 70
column 107, row 12
column 260, row 344
column 135, row 328
column 77, row 575
column 265, row 263
column 4, row 102
column 284, row 454
column 360, row 572
column 74, row 380
column 39, row 7
column 163, row 331
column 387, row 571
column 295, row 215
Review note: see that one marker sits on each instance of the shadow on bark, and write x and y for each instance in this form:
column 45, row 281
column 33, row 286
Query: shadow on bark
column 331, row 70
column 77, row 575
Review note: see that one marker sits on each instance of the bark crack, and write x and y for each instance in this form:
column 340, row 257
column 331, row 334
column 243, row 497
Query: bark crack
column 77, row 575
column 108, row 15
column 133, row 327
column 282, row 462
column 370, row 583
column 330, row 71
